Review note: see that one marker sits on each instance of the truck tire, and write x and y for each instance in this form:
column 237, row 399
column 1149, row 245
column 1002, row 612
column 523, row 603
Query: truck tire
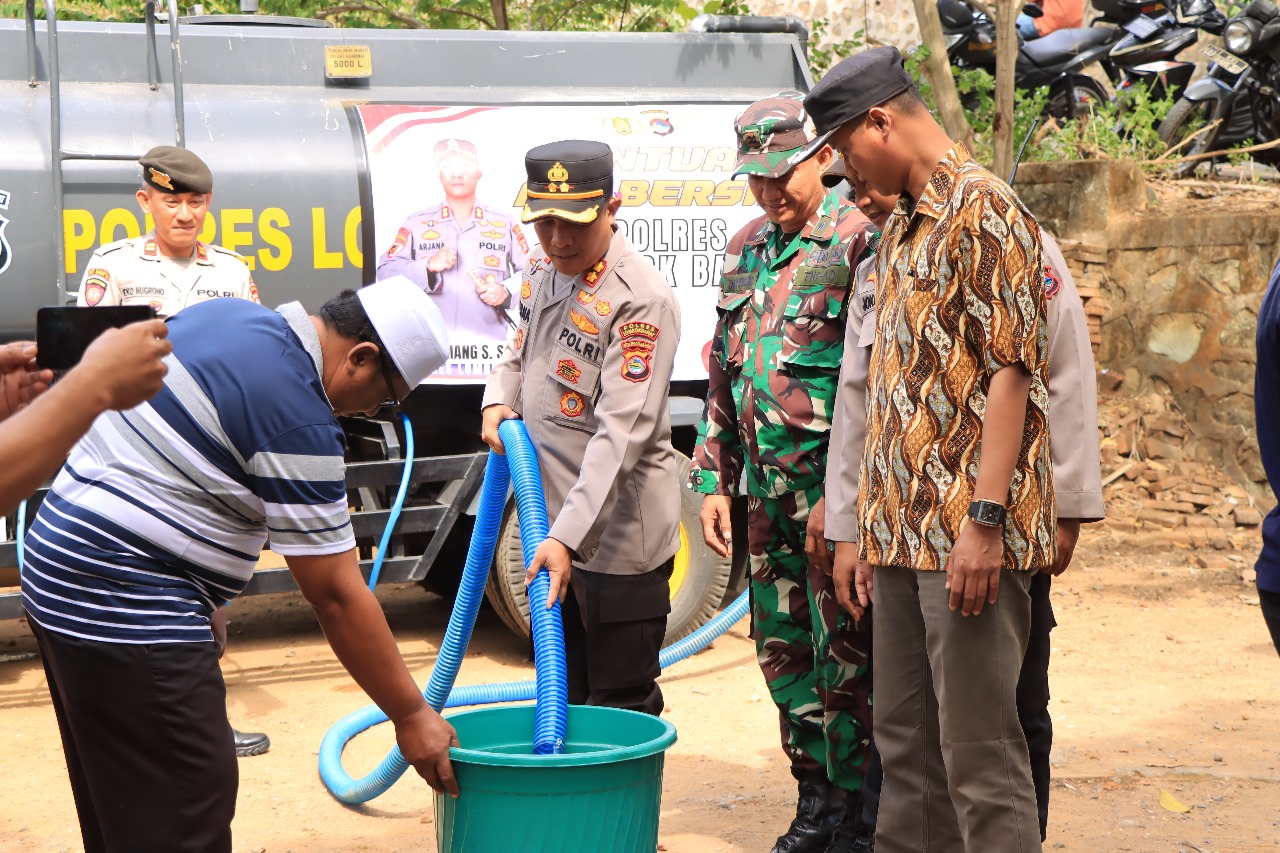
column 697, row 583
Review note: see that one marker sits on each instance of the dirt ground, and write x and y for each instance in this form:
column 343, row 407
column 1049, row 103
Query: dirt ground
column 1164, row 678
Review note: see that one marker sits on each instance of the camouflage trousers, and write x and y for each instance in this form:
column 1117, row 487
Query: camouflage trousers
column 816, row 662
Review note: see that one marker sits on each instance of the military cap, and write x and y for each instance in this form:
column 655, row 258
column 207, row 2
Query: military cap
column 175, row 170
column 446, row 147
column 569, row 180
column 774, row 135
column 855, row 85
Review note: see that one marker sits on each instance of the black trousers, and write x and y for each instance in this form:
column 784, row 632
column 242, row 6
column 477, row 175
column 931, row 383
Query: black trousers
column 147, row 743
column 613, row 631
column 1033, row 705
column 1270, row 602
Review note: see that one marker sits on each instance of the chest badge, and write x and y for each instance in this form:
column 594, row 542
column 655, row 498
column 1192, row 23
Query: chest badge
column 583, row 323
column 585, row 298
column 519, row 339
column 567, row 369
column 572, row 404
column 526, row 289
column 604, row 309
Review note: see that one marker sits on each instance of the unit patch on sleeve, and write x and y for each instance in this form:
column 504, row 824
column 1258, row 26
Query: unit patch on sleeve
column 584, row 323
column 95, row 285
column 571, row 404
column 1052, row 284
column 638, row 341
column 402, row 238
column 566, row 369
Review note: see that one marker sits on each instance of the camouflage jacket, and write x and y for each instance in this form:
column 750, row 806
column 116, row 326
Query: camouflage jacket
column 775, row 357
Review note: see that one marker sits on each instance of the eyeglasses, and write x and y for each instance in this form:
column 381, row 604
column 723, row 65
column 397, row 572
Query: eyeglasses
column 391, row 400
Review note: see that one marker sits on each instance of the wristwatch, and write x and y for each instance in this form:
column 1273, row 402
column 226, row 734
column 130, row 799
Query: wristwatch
column 987, row 513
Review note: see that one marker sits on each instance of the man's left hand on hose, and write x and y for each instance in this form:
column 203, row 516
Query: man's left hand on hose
column 555, row 556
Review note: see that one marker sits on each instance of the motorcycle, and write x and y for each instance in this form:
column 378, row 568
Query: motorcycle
column 1238, row 99
column 1137, row 44
column 1054, row 61
column 1147, row 53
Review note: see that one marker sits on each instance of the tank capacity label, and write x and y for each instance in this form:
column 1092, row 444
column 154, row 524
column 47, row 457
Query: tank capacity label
column 343, row 61
column 270, row 239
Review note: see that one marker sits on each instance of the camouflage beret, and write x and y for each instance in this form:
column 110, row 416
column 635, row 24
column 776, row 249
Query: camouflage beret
column 175, row 170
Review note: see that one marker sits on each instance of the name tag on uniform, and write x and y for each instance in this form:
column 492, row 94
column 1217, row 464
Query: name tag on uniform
column 737, row 282
column 823, row 276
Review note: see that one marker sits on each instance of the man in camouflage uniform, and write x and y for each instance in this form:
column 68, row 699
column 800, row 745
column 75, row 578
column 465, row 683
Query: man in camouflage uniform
column 460, row 251
column 773, row 377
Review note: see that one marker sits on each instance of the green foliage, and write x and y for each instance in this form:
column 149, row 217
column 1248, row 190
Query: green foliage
column 821, row 57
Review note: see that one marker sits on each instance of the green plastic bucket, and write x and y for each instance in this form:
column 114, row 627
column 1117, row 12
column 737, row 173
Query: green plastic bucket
column 603, row 793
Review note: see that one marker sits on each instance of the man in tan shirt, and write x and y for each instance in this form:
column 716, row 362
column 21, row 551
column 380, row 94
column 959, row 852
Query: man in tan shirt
column 589, row 371
column 956, row 506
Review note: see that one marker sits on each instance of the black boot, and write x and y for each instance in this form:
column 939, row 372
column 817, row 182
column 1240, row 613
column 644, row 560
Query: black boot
column 852, row 835
column 818, row 813
column 250, row 743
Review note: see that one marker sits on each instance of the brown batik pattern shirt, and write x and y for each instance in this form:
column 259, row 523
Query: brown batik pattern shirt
column 960, row 295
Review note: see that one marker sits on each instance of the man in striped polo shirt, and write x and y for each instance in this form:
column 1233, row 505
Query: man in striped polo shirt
column 158, row 518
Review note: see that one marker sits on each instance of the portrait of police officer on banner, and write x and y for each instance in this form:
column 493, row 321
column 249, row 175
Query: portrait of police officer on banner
column 460, row 251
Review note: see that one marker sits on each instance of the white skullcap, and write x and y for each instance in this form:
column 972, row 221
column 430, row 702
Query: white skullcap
column 410, row 325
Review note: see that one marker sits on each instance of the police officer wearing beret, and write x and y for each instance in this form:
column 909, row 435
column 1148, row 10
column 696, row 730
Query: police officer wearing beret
column 589, row 372
column 461, row 250
column 168, row 268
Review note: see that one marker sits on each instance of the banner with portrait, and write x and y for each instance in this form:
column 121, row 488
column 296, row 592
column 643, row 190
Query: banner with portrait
column 448, row 186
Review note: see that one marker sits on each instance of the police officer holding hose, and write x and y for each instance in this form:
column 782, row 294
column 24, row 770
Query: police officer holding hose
column 589, row 372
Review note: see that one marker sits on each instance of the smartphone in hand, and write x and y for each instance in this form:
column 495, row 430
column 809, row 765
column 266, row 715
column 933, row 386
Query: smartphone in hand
column 64, row 333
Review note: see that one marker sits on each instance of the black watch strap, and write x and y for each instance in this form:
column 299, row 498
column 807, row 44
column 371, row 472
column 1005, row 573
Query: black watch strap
column 987, row 513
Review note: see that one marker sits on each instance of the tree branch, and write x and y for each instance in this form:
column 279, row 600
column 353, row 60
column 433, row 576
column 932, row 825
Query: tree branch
column 407, row 20
column 472, row 15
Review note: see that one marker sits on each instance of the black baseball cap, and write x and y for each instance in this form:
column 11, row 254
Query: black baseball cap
column 855, row 85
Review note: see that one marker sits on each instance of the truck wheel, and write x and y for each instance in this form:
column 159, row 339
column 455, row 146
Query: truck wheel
column 697, row 583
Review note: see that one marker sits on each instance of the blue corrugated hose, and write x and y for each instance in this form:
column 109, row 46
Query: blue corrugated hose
column 533, row 530
column 397, row 504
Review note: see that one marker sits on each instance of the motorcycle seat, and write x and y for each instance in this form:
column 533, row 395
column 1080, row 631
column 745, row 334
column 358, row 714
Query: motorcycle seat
column 1061, row 46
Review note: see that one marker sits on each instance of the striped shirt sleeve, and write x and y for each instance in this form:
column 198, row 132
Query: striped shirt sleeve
column 300, row 478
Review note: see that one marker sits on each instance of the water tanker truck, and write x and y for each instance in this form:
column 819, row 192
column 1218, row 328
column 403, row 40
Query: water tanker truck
column 323, row 143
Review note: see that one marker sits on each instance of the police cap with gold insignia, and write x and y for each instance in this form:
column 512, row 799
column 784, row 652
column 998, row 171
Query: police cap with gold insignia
column 774, row 135
column 855, row 85
column 175, row 170
column 569, row 180
column 448, row 147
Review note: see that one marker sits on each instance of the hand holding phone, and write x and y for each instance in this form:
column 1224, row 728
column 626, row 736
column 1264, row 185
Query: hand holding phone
column 64, row 334
column 126, row 365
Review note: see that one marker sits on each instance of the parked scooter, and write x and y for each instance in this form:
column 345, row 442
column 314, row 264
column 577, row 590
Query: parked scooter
column 1238, row 100
column 1147, row 54
column 1054, row 61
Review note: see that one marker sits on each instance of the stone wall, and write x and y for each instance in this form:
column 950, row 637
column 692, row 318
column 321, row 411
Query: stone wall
column 883, row 21
column 1183, row 280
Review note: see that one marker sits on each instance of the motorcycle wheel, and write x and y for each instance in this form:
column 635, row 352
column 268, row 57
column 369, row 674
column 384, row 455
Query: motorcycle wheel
column 1076, row 97
column 1184, row 119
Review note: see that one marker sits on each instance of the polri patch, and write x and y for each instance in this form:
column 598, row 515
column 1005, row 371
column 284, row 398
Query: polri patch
column 1052, row 284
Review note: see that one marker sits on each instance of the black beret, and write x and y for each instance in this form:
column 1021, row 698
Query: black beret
column 857, row 84
column 175, row 170
column 569, row 180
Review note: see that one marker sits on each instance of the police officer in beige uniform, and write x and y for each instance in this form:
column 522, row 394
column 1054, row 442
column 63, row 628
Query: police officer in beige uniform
column 589, row 371
column 168, row 268
column 1073, row 445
